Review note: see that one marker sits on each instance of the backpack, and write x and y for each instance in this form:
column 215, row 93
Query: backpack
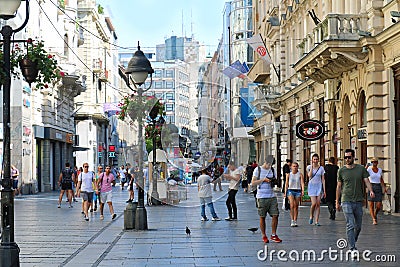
column 67, row 175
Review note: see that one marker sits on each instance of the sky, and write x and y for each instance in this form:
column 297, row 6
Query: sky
column 151, row 21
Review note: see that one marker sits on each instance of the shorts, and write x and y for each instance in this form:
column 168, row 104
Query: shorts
column 267, row 205
column 87, row 196
column 294, row 192
column 66, row 186
column 15, row 184
column 106, row 197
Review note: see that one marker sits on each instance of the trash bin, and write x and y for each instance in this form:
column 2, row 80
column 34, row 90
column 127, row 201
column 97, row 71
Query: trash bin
column 129, row 215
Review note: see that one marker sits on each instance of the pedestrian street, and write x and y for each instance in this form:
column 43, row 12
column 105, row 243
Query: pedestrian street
column 48, row 236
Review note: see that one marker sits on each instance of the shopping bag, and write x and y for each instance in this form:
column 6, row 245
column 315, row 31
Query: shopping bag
column 285, row 204
column 386, row 207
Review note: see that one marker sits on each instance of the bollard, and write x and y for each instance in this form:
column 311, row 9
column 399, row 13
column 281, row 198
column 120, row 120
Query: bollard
column 129, row 215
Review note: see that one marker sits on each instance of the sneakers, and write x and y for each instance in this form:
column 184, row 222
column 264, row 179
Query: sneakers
column 265, row 239
column 317, row 224
column 216, row 219
column 311, row 221
column 228, row 219
column 101, row 217
column 70, row 206
column 204, row 219
column 86, row 218
column 295, row 223
column 113, row 216
column 91, row 210
column 276, row 239
column 292, row 224
column 59, row 205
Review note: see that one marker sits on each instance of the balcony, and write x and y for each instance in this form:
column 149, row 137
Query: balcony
column 266, row 98
column 332, row 48
column 259, row 72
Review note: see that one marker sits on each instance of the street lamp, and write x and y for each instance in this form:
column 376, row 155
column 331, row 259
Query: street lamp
column 156, row 120
column 139, row 68
column 9, row 250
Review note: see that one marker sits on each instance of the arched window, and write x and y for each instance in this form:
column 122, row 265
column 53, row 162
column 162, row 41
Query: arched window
column 362, row 104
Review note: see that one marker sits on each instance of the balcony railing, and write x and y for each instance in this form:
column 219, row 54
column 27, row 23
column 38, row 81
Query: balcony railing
column 334, row 27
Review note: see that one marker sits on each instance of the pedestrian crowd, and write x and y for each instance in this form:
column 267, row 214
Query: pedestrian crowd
column 340, row 188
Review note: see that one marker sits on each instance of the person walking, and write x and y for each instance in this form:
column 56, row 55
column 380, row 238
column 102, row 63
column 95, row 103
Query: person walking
column 350, row 191
column 217, row 178
column 204, row 192
column 316, row 183
column 15, row 177
column 85, row 188
column 294, row 190
column 105, row 182
column 285, row 170
column 234, row 177
column 265, row 197
column 96, row 195
column 65, row 181
column 378, row 186
column 331, row 170
column 131, row 183
column 122, row 176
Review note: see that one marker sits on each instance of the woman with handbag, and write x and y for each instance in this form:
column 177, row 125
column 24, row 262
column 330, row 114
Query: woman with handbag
column 294, row 190
column 316, row 184
column 378, row 186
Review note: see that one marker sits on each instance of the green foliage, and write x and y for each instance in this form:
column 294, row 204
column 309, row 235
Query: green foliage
column 46, row 63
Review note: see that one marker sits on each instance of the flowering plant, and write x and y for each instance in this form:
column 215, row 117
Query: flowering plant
column 46, row 64
column 130, row 105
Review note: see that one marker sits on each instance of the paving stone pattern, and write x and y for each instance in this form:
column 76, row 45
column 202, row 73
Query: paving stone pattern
column 48, row 236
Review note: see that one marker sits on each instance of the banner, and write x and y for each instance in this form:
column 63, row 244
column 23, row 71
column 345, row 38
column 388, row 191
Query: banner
column 236, row 69
column 257, row 44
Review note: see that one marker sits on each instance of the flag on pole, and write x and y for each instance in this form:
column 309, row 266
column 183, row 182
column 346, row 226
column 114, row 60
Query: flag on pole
column 257, row 44
column 236, row 69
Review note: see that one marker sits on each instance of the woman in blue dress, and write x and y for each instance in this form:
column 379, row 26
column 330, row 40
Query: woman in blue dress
column 316, row 187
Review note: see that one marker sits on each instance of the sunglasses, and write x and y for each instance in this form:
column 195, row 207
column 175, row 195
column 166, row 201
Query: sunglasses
column 348, row 157
column 85, row 166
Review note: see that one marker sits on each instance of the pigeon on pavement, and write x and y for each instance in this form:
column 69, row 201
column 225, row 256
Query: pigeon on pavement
column 253, row 229
column 187, row 230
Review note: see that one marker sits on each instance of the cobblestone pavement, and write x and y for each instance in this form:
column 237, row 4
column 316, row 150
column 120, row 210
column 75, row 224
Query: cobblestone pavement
column 48, row 236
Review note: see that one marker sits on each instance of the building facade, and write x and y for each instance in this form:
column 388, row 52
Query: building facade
column 338, row 64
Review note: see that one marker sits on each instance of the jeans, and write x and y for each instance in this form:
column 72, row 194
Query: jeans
column 231, row 203
column 208, row 201
column 353, row 213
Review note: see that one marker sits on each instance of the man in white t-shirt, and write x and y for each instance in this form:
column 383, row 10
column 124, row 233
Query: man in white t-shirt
column 204, row 192
column 122, row 176
column 85, row 188
column 234, row 182
column 266, row 199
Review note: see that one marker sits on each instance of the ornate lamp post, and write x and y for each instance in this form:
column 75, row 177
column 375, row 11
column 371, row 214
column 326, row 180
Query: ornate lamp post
column 155, row 120
column 139, row 68
column 9, row 250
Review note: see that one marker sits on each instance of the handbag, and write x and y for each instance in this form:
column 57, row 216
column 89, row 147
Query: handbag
column 386, row 207
column 285, row 203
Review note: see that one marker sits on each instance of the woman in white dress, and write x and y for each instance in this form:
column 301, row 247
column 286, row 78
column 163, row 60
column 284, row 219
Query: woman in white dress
column 378, row 186
column 316, row 184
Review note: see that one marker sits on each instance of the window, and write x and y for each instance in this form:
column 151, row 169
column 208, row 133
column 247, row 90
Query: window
column 363, row 110
column 169, row 84
column 169, row 96
column 169, row 73
column 158, row 73
column 169, row 107
column 158, row 85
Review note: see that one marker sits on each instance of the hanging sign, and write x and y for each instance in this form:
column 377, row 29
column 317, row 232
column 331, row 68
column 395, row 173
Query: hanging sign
column 310, row 130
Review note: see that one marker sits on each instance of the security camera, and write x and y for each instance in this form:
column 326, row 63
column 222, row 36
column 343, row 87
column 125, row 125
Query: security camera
column 395, row 14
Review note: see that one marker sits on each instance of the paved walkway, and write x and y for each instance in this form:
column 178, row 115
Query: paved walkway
column 48, row 236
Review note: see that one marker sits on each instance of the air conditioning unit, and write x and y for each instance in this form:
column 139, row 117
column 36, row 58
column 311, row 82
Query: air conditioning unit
column 331, row 90
column 277, row 127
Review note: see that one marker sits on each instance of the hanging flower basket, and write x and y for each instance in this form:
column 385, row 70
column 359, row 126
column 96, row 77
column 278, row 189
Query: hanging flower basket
column 29, row 69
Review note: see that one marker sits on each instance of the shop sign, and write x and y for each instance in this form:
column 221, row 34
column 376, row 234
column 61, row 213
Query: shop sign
column 310, row 130
column 362, row 134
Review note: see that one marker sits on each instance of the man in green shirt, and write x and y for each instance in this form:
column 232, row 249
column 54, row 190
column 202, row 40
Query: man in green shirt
column 350, row 186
